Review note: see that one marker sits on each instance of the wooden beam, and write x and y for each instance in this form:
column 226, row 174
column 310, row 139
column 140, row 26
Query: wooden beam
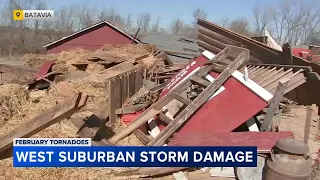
column 252, row 45
column 211, row 41
column 200, row 82
column 142, row 136
column 209, row 47
column 218, row 37
column 158, row 87
column 287, row 54
column 165, row 118
column 200, row 100
column 307, row 69
column 182, row 99
column 131, row 109
column 42, row 121
column 144, row 117
column 274, row 104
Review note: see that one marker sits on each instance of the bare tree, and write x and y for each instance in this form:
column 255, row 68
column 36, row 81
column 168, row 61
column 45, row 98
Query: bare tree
column 128, row 23
column 224, row 22
column 103, row 14
column 240, row 25
column 176, row 26
column 199, row 14
column 39, row 5
column 143, row 22
column 261, row 19
column 16, row 41
column 290, row 21
column 156, row 25
column 192, row 32
column 115, row 18
column 314, row 39
column 86, row 16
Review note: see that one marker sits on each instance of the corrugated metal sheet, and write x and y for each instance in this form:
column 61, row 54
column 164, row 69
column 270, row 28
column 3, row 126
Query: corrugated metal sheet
column 179, row 49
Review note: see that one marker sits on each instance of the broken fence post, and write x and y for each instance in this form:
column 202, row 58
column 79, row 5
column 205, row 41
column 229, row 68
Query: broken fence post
column 274, row 104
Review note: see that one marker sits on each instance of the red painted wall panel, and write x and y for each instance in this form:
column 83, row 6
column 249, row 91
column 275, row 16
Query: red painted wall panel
column 226, row 111
column 92, row 39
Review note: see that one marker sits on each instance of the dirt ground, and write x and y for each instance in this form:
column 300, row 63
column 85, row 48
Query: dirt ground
column 303, row 122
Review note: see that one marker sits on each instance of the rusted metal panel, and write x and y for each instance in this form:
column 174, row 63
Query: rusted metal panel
column 44, row 69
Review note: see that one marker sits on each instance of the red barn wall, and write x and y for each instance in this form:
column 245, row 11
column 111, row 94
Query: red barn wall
column 91, row 39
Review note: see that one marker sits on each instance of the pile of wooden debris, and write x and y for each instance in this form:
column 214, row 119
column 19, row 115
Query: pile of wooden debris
column 135, row 96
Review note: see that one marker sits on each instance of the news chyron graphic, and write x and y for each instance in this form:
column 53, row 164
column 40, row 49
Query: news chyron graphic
column 20, row 15
column 78, row 152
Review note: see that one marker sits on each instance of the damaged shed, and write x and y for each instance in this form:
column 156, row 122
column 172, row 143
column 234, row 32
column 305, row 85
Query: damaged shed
column 92, row 38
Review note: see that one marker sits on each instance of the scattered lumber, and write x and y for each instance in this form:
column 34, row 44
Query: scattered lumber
column 89, row 127
column 44, row 120
column 190, row 108
column 243, row 56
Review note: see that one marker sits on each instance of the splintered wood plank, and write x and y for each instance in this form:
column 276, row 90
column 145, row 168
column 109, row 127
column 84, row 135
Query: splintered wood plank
column 263, row 140
column 142, row 136
column 124, row 87
column 257, row 77
column 40, row 122
column 267, row 78
column 259, row 70
column 266, row 69
column 132, row 81
column 200, row 82
column 144, row 117
column 131, row 109
column 112, row 99
column 182, row 99
column 292, row 76
column 274, row 104
column 275, row 78
column 145, row 139
column 165, row 118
